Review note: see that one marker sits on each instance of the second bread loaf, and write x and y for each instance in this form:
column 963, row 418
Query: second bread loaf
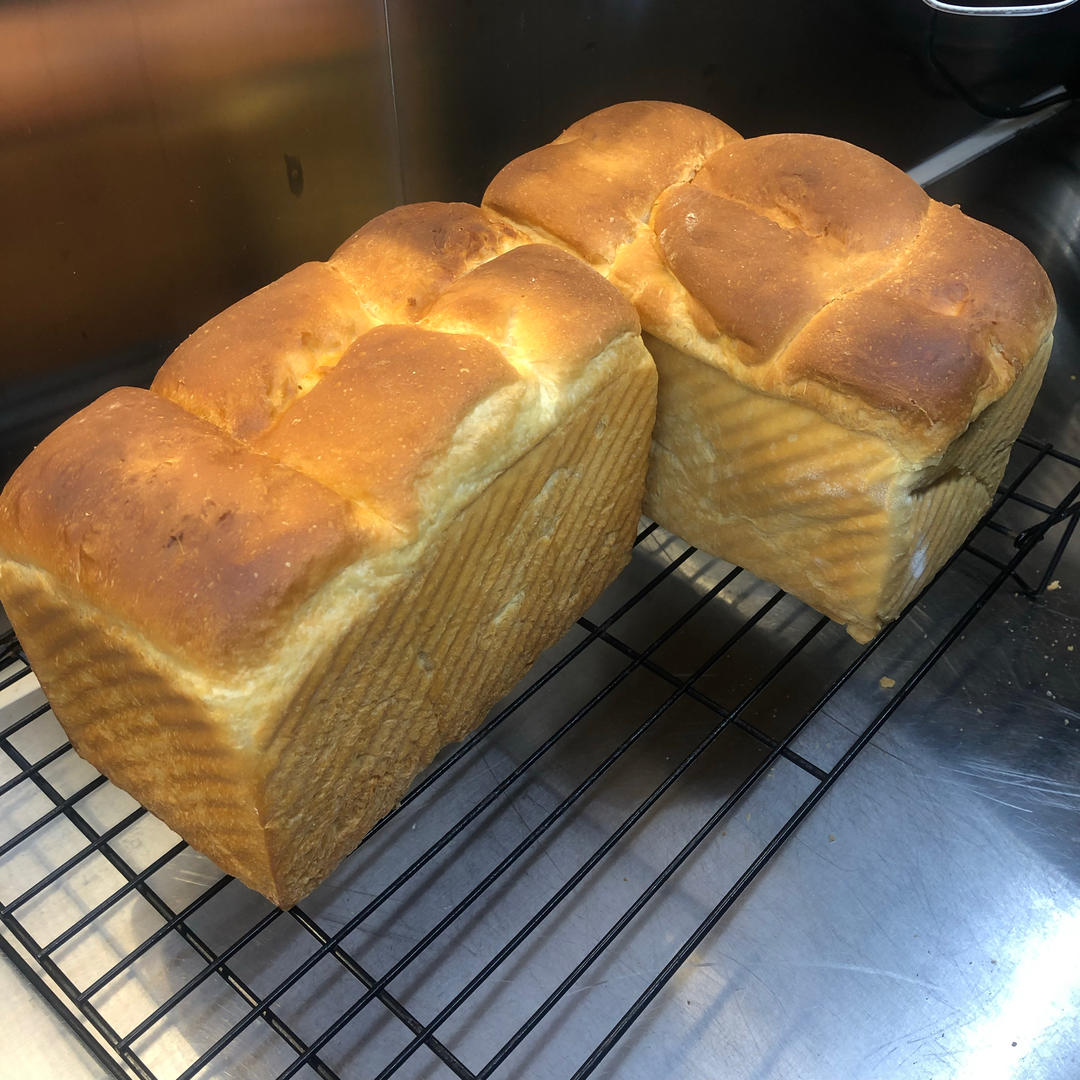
column 844, row 363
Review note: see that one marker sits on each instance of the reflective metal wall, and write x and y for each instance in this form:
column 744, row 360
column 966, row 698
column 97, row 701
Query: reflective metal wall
column 510, row 75
column 159, row 160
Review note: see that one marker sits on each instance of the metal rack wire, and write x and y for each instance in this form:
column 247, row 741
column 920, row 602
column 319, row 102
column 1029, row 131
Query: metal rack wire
column 399, row 966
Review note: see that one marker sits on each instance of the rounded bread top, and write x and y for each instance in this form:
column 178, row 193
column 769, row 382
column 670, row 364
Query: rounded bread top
column 832, row 278
column 401, row 261
column 362, row 370
column 339, row 414
column 594, row 186
column 802, row 266
column 161, row 518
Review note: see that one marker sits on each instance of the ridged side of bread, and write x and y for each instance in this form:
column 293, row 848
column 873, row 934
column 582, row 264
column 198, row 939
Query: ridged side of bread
column 737, row 471
column 949, row 497
column 427, row 666
column 164, row 733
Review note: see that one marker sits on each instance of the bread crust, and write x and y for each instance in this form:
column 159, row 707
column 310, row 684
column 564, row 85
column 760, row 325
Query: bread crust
column 805, row 268
column 166, row 523
column 593, row 187
column 844, row 362
column 264, row 594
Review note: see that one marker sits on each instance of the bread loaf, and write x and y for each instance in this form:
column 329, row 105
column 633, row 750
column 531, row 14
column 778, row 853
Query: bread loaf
column 844, row 363
column 349, row 514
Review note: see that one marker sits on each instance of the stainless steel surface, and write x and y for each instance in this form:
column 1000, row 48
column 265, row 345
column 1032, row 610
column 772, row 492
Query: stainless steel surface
column 923, row 921
column 159, row 161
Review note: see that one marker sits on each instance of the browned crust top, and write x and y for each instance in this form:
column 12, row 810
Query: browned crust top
column 391, row 406
column 594, row 186
column 803, row 266
column 541, row 302
column 163, row 520
column 244, row 367
column 827, row 190
column 758, row 280
column 772, row 229
column 401, row 261
column 939, row 336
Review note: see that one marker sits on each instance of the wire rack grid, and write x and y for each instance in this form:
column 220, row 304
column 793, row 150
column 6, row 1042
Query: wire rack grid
column 599, row 819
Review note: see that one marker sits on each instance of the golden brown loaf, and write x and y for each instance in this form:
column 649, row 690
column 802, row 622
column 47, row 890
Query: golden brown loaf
column 352, row 510
column 844, row 363
column 356, row 504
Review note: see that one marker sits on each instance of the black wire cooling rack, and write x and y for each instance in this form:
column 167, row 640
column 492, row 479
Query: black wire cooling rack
column 600, row 817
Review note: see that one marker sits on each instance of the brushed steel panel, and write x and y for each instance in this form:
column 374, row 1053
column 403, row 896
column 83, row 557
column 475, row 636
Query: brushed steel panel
column 158, row 161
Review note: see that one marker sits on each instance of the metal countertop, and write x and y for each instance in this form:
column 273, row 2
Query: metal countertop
column 922, row 921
